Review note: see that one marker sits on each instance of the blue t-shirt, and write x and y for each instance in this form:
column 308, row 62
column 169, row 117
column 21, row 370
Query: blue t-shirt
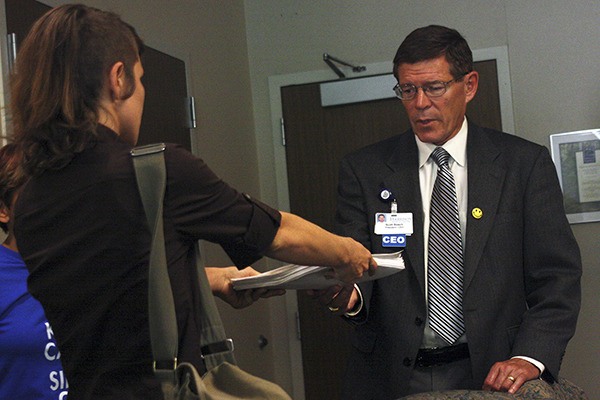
column 30, row 365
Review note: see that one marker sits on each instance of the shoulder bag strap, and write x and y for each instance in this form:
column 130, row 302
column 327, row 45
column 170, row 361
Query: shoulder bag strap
column 151, row 177
column 216, row 348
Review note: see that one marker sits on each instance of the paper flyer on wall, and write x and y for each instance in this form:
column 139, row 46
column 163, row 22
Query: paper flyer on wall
column 314, row 277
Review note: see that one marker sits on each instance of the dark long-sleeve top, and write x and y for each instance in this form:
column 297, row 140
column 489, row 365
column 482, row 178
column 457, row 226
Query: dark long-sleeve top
column 83, row 235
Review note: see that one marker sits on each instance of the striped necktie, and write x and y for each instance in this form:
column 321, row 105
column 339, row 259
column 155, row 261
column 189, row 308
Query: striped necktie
column 445, row 257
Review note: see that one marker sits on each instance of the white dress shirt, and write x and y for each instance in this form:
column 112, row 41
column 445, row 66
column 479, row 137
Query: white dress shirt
column 457, row 148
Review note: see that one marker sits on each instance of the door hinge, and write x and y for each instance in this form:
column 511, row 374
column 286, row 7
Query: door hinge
column 191, row 107
column 282, row 126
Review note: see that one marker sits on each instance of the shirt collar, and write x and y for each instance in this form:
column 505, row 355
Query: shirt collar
column 456, row 147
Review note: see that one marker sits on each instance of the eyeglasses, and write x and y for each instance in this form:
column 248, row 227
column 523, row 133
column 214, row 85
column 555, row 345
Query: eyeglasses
column 408, row 91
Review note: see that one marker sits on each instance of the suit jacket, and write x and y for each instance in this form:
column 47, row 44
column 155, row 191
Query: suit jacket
column 522, row 265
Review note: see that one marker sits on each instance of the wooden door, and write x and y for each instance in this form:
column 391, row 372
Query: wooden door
column 316, row 140
column 165, row 116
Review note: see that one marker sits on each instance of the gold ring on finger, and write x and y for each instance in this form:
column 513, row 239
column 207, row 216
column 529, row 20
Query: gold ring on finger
column 510, row 378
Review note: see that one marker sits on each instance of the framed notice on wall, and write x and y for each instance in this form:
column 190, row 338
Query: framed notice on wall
column 577, row 159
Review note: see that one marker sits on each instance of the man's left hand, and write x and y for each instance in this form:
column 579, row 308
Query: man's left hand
column 510, row 375
column 337, row 298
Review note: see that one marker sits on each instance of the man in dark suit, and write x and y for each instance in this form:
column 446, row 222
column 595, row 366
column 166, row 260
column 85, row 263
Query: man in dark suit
column 520, row 268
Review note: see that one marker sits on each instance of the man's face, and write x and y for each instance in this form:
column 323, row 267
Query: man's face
column 436, row 119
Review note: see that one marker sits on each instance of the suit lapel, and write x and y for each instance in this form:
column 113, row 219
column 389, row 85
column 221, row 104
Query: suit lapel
column 404, row 184
column 486, row 173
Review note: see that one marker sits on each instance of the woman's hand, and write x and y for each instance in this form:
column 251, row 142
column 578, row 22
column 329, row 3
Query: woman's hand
column 221, row 286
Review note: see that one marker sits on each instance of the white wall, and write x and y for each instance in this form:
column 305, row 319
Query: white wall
column 554, row 58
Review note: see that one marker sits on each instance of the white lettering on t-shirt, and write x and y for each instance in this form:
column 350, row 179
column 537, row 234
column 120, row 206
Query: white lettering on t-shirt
column 51, row 352
column 58, row 381
column 49, row 332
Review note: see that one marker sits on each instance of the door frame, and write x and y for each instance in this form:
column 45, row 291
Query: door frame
column 500, row 54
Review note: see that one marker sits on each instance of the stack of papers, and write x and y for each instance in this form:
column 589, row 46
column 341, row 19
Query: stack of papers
column 315, row 277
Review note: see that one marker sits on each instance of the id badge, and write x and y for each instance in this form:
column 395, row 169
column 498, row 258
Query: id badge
column 394, row 224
